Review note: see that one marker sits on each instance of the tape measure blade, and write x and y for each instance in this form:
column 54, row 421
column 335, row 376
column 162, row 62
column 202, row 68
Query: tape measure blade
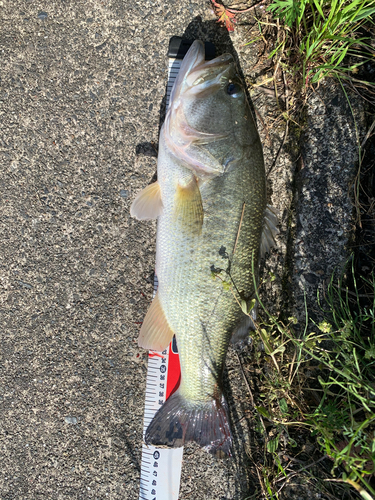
column 173, row 69
column 163, row 472
column 160, row 467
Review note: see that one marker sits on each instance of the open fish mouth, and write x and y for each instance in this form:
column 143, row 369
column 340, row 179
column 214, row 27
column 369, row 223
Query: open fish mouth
column 197, row 76
column 210, row 76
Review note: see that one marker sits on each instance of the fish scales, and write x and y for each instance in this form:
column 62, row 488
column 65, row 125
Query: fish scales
column 198, row 307
column 210, row 202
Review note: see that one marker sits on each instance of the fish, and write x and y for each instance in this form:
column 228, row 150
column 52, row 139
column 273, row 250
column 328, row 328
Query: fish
column 213, row 226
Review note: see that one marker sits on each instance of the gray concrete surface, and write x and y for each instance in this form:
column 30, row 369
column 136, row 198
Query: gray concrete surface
column 82, row 87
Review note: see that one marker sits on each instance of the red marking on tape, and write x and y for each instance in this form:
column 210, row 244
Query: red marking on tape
column 153, row 354
column 174, row 369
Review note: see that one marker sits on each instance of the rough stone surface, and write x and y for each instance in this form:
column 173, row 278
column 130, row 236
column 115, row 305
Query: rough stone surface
column 324, row 183
column 81, row 94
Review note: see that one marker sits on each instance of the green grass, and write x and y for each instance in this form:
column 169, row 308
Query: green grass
column 320, row 35
column 339, row 355
column 344, row 421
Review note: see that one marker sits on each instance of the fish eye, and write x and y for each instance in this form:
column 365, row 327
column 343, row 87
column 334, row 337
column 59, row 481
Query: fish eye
column 234, row 89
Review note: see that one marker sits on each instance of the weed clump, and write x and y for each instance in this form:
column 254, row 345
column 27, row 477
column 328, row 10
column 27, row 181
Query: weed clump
column 322, row 380
column 320, row 34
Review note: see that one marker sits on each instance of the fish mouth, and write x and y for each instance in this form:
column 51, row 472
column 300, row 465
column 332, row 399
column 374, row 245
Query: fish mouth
column 198, row 77
column 209, row 76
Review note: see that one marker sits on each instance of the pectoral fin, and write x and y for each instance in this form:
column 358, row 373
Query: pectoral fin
column 269, row 230
column 188, row 206
column 155, row 333
column 147, row 204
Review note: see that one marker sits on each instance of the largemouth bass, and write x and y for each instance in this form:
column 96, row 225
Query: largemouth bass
column 213, row 224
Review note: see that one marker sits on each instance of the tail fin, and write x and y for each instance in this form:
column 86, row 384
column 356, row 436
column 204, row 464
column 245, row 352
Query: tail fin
column 180, row 420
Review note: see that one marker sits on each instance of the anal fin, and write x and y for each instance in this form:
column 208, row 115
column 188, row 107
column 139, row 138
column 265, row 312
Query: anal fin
column 155, row 333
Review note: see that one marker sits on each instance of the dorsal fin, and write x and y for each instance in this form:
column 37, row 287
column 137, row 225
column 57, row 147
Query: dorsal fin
column 246, row 323
column 270, row 230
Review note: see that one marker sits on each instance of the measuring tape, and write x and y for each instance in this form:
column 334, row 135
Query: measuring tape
column 161, row 467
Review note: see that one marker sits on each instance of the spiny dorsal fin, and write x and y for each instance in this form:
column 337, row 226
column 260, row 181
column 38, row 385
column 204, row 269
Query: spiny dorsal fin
column 147, row 204
column 270, row 230
column 188, row 206
column 155, row 333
